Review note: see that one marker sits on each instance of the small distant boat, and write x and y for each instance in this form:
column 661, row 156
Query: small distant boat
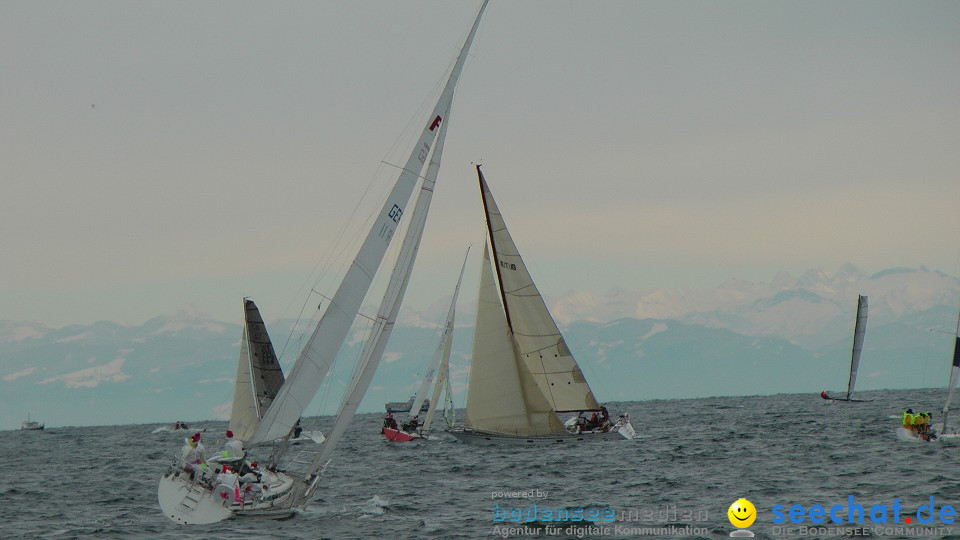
column 31, row 425
column 406, row 406
column 411, row 430
column 859, row 331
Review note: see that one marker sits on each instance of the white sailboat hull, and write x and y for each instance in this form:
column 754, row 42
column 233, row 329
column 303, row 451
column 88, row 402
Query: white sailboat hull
column 485, row 438
column 198, row 502
column 188, row 504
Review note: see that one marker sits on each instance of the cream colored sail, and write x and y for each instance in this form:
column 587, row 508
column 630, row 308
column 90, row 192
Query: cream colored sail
column 540, row 344
column 502, row 396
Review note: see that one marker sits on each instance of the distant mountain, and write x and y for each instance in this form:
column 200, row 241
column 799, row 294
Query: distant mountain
column 812, row 310
column 791, row 335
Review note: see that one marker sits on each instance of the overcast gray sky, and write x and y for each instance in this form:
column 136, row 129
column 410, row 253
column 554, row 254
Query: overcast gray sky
column 157, row 155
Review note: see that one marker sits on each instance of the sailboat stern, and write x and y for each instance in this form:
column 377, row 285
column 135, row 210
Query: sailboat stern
column 189, row 503
column 624, row 427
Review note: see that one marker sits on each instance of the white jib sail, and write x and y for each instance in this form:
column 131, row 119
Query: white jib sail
column 441, row 356
column 389, row 308
column 858, row 334
column 318, row 355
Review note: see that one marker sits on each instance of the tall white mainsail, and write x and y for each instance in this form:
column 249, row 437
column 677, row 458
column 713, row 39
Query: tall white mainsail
column 858, row 334
column 389, row 308
column 259, row 376
column 321, row 350
column 539, row 342
column 440, row 360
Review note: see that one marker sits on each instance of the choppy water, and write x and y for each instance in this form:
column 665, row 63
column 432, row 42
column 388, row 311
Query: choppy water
column 694, row 457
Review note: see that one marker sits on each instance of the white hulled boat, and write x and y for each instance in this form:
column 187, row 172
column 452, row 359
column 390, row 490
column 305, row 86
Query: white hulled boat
column 287, row 484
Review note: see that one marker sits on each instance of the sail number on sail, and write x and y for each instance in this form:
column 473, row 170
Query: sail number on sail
column 386, row 230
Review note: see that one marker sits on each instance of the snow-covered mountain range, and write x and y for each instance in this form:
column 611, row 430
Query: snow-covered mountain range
column 790, row 335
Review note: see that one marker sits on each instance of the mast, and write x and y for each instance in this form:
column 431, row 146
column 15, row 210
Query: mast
column 954, row 374
column 859, row 330
column 321, row 350
column 440, row 356
column 493, row 246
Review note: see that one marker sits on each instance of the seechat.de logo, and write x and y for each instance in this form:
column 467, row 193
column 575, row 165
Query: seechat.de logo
column 742, row 514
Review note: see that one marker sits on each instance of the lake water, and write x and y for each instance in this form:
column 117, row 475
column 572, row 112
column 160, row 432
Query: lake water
column 694, row 458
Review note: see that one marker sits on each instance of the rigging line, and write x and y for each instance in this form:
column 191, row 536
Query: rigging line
column 326, row 261
column 401, row 168
column 428, row 98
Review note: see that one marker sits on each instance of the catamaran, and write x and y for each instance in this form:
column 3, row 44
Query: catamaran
column 411, row 430
column 523, row 376
column 859, row 330
column 287, row 483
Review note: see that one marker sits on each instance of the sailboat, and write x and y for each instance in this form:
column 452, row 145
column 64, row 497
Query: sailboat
column 31, row 425
column 523, row 376
column 941, row 435
column 411, row 430
column 259, row 378
column 954, row 375
column 859, row 330
column 288, row 482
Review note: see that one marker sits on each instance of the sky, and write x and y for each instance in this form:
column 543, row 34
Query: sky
column 163, row 156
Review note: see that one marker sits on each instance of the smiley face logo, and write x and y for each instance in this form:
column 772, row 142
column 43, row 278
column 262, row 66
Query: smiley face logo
column 742, row 513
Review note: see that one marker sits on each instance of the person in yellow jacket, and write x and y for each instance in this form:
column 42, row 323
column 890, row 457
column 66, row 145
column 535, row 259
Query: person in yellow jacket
column 908, row 419
column 919, row 423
